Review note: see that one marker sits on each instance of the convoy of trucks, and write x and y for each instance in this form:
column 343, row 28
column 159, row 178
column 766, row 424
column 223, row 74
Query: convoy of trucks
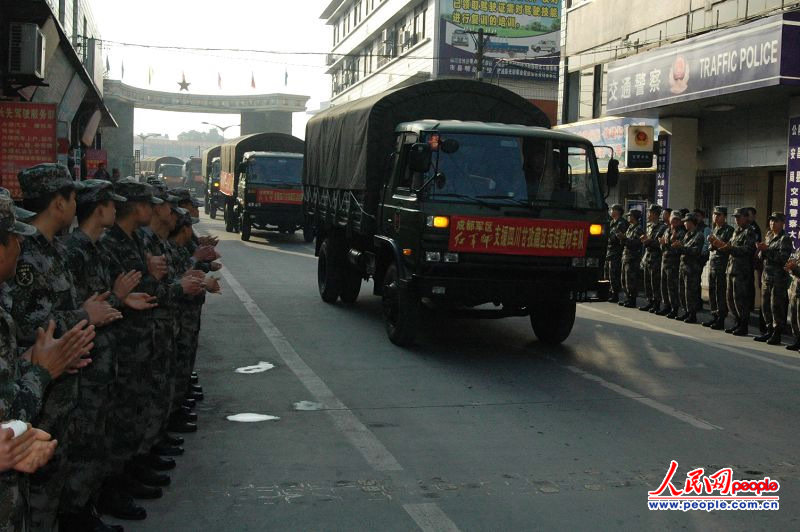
column 260, row 184
column 454, row 196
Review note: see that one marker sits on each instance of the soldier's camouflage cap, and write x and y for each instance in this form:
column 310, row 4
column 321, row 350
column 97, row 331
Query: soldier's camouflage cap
column 676, row 215
column 617, row 207
column 160, row 190
column 636, row 214
column 10, row 214
column 185, row 195
column 654, row 207
column 45, row 178
column 187, row 220
column 98, row 191
column 719, row 209
column 778, row 217
column 130, row 189
column 742, row 211
column 690, row 218
column 180, row 211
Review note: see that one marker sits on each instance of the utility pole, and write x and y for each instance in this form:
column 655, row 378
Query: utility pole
column 480, row 43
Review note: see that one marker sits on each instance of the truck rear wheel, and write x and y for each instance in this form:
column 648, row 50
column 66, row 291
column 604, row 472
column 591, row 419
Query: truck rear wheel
column 247, row 226
column 351, row 285
column 213, row 212
column 552, row 320
column 227, row 215
column 308, row 233
column 329, row 271
column 400, row 310
column 206, row 206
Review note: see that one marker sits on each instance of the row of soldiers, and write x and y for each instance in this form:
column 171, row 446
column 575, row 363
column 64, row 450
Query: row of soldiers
column 98, row 339
column 674, row 247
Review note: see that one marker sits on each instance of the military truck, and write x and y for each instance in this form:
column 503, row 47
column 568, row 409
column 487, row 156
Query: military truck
column 152, row 166
column 210, row 167
column 260, row 180
column 193, row 175
column 456, row 197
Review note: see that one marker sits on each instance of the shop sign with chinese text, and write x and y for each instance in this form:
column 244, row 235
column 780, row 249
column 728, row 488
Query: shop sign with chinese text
column 27, row 138
column 512, row 236
column 793, row 181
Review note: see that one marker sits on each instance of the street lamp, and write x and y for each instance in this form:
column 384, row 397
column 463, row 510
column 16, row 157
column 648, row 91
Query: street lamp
column 221, row 128
column 144, row 138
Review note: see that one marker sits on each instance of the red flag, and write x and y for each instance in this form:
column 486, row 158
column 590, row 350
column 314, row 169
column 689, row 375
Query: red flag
column 219, row 80
column 252, row 80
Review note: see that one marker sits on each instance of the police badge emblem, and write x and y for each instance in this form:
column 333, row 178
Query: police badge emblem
column 24, row 274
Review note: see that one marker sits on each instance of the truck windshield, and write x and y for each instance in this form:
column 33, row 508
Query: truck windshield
column 522, row 170
column 172, row 170
column 215, row 169
column 264, row 170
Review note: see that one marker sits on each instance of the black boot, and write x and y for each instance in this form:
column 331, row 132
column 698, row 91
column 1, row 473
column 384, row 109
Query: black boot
column 162, row 449
column 775, row 339
column 647, row 307
column 719, row 324
column 672, row 314
column 766, row 336
column 683, row 316
column 137, row 490
column 730, row 330
column 195, row 388
column 119, row 504
column 655, row 307
column 691, row 318
column 159, row 463
column 664, row 311
column 182, row 427
column 194, row 379
column 710, row 322
column 613, row 298
column 795, row 346
column 743, row 329
column 631, row 303
column 141, row 472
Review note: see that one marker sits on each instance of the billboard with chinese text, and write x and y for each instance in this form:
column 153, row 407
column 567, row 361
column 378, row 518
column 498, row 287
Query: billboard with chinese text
column 525, row 31
column 27, row 138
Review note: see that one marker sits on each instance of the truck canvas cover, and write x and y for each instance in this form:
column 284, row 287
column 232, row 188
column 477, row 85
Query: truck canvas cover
column 348, row 146
column 208, row 156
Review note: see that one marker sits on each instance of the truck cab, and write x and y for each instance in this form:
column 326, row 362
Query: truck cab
column 172, row 174
column 214, row 198
column 269, row 192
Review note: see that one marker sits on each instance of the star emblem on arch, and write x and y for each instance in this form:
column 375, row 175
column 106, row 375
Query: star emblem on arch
column 183, row 83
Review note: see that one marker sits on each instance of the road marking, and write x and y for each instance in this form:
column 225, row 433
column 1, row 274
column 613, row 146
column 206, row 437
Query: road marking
column 652, row 403
column 724, row 347
column 430, row 518
column 359, row 435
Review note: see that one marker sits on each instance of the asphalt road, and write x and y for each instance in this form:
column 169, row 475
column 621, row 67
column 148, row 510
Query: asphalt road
column 479, row 427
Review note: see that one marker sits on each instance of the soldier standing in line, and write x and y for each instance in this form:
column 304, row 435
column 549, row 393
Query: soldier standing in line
column 690, row 249
column 43, row 290
column 670, row 267
column 792, row 267
column 631, row 256
column 758, row 266
column 740, row 250
column 774, row 252
column 718, row 263
column 614, row 251
column 652, row 259
column 89, row 264
column 25, row 378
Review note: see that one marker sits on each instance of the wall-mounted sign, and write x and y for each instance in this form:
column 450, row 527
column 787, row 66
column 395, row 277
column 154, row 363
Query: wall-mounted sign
column 639, row 146
column 27, row 138
column 609, row 132
column 662, row 171
column 793, row 181
column 754, row 55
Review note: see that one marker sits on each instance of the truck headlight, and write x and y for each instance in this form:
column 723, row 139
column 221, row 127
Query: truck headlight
column 216, row 185
column 439, row 222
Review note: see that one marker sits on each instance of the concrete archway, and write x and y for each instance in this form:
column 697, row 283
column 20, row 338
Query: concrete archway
column 259, row 113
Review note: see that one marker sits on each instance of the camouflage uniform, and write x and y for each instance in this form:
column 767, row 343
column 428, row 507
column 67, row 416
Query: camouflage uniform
column 613, row 266
column 631, row 257
column 43, row 290
column 775, row 280
column 740, row 273
column 689, row 277
column 652, row 261
column 794, row 297
column 91, row 446
column 22, row 386
column 718, row 261
column 670, row 269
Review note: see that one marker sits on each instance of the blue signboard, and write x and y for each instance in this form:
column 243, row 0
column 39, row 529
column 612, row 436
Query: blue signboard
column 793, row 181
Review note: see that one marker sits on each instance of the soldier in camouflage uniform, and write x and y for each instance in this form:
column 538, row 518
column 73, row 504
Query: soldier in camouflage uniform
column 43, row 290
column 129, row 415
column 652, row 259
column 718, row 263
column 774, row 251
column 792, row 267
column 631, row 256
column 89, row 263
column 613, row 266
column 690, row 249
column 740, row 250
column 670, row 267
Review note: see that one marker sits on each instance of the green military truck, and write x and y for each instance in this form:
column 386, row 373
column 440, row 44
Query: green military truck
column 260, row 180
column 455, row 195
column 210, row 166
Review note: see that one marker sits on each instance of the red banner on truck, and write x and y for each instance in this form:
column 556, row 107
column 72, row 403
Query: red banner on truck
column 27, row 138
column 513, row 236
column 277, row 195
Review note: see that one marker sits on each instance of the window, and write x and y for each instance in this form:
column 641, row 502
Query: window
column 420, row 13
column 406, row 177
column 356, row 13
column 572, row 93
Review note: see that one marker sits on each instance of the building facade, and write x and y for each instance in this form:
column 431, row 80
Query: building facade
column 378, row 45
column 65, row 96
column 717, row 79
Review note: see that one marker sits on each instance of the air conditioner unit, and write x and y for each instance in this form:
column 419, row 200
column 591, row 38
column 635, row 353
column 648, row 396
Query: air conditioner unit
column 26, row 50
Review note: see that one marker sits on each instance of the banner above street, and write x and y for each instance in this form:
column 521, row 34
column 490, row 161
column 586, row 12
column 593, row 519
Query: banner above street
column 720, row 62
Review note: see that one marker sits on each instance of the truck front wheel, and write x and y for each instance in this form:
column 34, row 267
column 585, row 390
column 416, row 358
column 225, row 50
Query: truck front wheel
column 247, row 226
column 400, row 310
column 227, row 215
column 552, row 320
column 329, row 271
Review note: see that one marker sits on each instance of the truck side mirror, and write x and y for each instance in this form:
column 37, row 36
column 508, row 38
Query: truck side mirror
column 242, row 168
column 612, row 174
column 419, row 157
